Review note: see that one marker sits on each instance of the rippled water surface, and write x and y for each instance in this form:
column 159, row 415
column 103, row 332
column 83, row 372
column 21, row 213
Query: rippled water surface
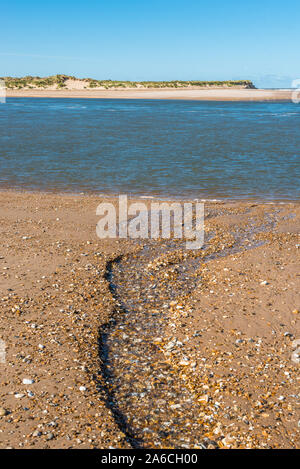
column 154, row 147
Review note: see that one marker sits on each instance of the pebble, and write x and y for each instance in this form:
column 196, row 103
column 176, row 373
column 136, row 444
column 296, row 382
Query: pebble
column 264, row 282
column 184, row 362
column 28, row 381
column 204, row 399
column 3, row 412
column 228, row 440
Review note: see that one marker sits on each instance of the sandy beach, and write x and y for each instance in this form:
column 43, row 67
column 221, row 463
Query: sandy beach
column 73, row 312
column 188, row 94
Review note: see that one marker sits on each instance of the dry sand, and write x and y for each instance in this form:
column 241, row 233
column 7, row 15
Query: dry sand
column 236, row 328
column 188, row 94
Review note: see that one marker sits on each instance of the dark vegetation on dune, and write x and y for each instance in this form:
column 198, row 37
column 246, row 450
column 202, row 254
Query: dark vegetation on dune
column 60, row 82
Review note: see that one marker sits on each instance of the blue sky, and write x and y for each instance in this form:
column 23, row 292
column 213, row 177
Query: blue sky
column 153, row 40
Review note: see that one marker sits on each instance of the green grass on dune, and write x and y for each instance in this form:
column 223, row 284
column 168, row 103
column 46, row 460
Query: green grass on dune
column 59, row 81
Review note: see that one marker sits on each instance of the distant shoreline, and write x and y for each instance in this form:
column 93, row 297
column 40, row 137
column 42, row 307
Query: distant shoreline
column 217, row 94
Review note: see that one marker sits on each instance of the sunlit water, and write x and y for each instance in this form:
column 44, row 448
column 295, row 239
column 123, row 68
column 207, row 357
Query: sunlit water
column 152, row 147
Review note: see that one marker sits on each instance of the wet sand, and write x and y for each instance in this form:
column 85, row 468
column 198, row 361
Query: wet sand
column 146, row 344
column 188, row 94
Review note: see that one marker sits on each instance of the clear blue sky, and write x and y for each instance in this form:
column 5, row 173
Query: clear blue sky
column 152, row 40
